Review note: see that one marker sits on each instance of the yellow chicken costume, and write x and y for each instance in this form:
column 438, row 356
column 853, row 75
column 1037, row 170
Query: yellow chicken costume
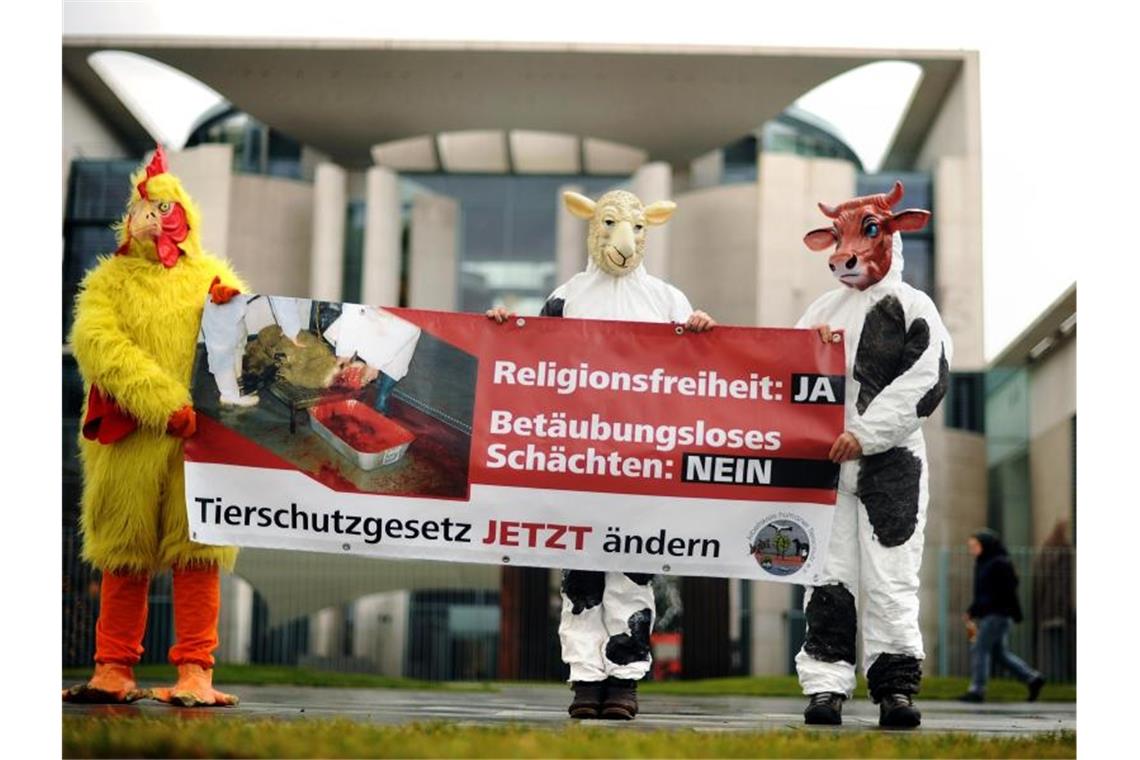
column 134, row 338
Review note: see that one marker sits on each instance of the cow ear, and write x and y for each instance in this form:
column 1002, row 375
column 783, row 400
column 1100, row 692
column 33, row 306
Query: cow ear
column 659, row 212
column 821, row 239
column 911, row 220
column 578, row 205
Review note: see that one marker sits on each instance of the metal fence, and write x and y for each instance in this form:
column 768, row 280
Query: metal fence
column 1046, row 638
column 81, row 609
column 441, row 621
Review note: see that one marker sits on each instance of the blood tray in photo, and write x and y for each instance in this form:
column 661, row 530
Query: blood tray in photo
column 359, row 433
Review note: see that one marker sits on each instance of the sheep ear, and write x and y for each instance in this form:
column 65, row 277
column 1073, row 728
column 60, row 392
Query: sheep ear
column 910, row 220
column 659, row 212
column 578, row 205
column 821, row 239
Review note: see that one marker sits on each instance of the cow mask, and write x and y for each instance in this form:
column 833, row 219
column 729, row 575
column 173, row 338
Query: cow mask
column 861, row 232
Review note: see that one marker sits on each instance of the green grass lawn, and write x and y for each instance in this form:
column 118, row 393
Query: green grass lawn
column 236, row 737
column 933, row 687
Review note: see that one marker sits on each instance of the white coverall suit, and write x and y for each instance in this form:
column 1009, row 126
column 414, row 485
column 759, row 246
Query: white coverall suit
column 898, row 362
column 226, row 329
column 225, row 333
column 382, row 340
column 607, row 616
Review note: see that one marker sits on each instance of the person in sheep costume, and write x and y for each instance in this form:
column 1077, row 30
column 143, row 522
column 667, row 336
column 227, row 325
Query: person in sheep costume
column 607, row 616
column 134, row 338
column 898, row 366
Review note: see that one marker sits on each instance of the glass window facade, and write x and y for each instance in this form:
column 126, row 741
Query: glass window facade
column 965, row 402
column 1007, row 454
column 354, row 250
column 506, row 233
column 740, row 161
column 258, row 149
column 96, row 196
column 795, row 131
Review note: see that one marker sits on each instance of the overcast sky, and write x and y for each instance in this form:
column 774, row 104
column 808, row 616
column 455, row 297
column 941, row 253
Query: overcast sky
column 1032, row 107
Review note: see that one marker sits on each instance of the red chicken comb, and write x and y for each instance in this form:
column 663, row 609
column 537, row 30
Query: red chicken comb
column 156, row 166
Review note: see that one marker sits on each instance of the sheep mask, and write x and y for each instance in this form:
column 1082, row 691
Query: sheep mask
column 618, row 220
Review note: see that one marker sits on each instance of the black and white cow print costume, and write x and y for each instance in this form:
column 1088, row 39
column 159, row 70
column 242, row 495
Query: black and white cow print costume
column 898, row 365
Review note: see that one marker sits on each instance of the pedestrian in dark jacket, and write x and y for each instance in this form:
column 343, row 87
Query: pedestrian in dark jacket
column 991, row 615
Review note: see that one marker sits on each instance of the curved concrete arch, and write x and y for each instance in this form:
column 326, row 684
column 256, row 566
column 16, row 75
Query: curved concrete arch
column 166, row 119
column 676, row 103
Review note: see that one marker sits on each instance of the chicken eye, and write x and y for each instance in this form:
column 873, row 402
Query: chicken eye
column 638, row 227
column 164, row 207
column 871, row 230
column 609, row 222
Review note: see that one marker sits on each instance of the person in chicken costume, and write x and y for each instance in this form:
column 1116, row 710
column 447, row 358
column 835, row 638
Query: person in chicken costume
column 898, row 367
column 134, row 338
column 607, row 617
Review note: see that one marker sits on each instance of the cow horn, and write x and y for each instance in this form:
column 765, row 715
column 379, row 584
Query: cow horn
column 895, row 195
column 829, row 211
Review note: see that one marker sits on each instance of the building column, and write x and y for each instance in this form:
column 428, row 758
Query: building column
column 206, row 171
column 235, row 621
column 569, row 238
column 326, row 263
column 433, row 253
column 958, row 264
column 706, row 170
column 326, row 633
column 789, row 277
column 772, row 616
column 653, row 182
column 380, row 270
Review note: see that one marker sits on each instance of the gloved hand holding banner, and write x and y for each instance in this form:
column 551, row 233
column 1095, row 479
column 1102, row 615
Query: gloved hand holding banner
column 545, row 442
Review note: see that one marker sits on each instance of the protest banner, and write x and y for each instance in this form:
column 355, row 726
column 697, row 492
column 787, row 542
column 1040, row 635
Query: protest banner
column 546, row 442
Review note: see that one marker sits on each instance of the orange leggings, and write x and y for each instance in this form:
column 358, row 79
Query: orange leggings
column 123, row 610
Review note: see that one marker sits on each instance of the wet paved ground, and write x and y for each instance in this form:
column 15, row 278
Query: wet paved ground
column 546, row 706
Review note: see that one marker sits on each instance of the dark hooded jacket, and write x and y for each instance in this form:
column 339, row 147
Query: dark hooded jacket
column 995, row 580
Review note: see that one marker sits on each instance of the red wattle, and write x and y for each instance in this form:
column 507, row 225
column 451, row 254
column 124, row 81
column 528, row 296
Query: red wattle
column 168, row 250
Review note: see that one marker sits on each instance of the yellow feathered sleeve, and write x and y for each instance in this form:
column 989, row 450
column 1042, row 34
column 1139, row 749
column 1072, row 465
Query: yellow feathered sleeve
column 109, row 359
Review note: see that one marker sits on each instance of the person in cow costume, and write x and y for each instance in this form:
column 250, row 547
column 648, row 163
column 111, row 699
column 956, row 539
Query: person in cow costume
column 134, row 338
column 607, row 616
column 898, row 367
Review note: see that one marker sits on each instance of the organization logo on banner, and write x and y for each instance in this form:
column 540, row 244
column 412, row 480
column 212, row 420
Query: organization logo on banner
column 783, row 545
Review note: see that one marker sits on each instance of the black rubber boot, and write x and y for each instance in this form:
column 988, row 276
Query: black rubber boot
column 898, row 711
column 1035, row 687
column 588, row 696
column 621, row 699
column 825, row 709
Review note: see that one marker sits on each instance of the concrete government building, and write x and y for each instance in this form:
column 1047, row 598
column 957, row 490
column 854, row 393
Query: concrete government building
column 429, row 175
